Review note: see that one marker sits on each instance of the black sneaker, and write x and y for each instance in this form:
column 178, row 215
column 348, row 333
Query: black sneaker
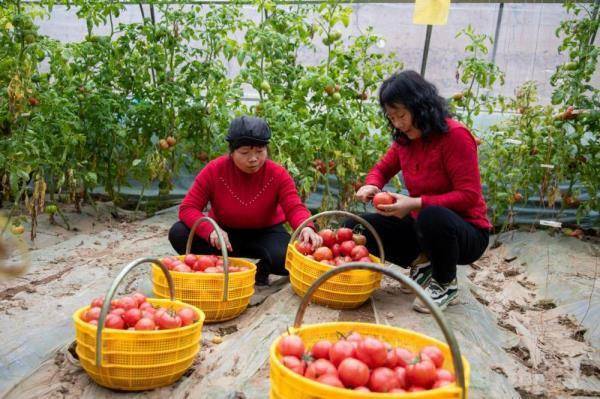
column 261, row 280
column 442, row 295
column 420, row 273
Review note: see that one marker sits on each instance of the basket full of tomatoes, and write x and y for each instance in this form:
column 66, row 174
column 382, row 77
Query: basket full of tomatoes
column 346, row 290
column 136, row 343
column 364, row 360
column 220, row 286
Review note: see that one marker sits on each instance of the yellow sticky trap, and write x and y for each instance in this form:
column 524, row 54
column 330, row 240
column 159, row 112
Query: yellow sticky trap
column 431, row 12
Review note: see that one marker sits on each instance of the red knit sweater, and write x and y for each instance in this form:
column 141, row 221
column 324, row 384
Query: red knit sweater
column 443, row 170
column 240, row 200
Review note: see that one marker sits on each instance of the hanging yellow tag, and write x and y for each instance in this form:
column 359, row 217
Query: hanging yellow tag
column 431, row 12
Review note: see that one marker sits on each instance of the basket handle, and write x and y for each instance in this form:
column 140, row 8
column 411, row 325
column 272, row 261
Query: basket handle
column 359, row 219
column 435, row 311
column 112, row 291
column 188, row 248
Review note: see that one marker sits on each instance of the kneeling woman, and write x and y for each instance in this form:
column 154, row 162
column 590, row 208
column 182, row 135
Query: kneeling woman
column 250, row 197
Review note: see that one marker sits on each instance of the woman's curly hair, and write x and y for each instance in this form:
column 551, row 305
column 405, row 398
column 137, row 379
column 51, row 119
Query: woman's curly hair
column 428, row 109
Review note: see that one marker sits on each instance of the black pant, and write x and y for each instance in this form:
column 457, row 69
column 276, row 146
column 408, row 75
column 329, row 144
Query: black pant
column 445, row 237
column 268, row 244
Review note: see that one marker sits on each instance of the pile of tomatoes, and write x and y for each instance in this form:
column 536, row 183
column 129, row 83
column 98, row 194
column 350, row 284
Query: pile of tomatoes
column 135, row 313
column 199, row 264
column 365, row 364
column 339, row 247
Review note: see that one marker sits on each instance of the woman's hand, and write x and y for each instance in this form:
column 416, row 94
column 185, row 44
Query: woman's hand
column 215, row 242
column 366, row 193
column 402, row 207
column 309, row 236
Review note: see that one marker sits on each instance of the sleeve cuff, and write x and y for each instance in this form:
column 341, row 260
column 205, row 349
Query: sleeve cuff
column 425, row 201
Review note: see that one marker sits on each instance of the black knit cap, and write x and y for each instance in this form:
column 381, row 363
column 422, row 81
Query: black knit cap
column 248, row 130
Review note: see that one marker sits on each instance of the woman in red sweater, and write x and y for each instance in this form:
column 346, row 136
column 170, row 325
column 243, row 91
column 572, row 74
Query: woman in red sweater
column 250, row 198
column 443, row 221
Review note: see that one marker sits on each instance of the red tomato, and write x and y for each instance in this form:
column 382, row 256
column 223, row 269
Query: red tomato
column 323, row 253
column 91, row 314
column 139, row 298
column 328, row 237
column 182, row 268
column 416, row 389
column 354, row 337
column 392, row 358
column 318, row 368
column 114, row 321
column 359, row 239
column 372, row 351
column 405, row 357
column 166, row 322
column 383, row 380
column 117, row 312
column 128, row 302
column 147, row 306
column 189, row 260
column 359, row 251
column 93, row 322
column 335, row 249
column 97, row 302
column 84, row 316
column 353, row 373
column 204, row 261
column 435, row 354
column 421, row 374
column 383, row 198
column 320, row 350
column 444, row 375
column 145, row 324
column 346, row 247
column 401, row 376
column 132, row 316
column 294, row 364
column 116, row 303
column 366, row 259
column 147, row 315
column 330, row 379
column 159, row 312
column 187, row 315
column 291, row 345
column 339, row 261
column 304, row 248
column 341, row 350
column 440, row 383
column 343, row 234
column 211, row 270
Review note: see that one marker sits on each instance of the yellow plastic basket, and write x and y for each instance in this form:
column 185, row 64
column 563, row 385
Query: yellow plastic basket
column 286, row 384
column 136, row 360
column 220, row 296
column 345, row 291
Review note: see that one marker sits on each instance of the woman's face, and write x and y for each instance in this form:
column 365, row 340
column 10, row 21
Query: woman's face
column 250, row 158
column 401, row 119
